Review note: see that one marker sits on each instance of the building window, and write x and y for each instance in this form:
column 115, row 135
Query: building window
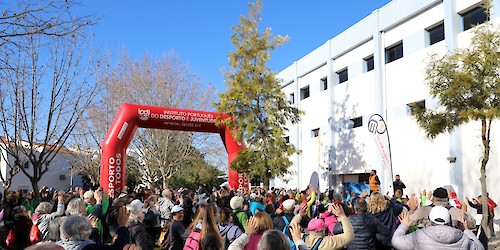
column 324, row 84
column 474, row 17
column 394, row 52
column 357, row 122
column 292, row 98
column 287, row 139
column 414, row 105
column 315, row 132
column 436, row 33
column 369, row 66
column 304, row 92
column 343, row 75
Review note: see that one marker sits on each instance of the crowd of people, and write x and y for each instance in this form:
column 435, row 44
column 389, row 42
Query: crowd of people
column 220, row 218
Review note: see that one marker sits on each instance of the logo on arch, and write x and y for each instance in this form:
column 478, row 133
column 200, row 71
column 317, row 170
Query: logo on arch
column 144, row 114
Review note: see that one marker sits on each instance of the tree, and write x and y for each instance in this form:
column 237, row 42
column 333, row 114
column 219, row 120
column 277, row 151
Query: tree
column 166, row 82
column 256, row 102
column 200, row 173
column 467, row 85
column 26, row 18
column 45, row 73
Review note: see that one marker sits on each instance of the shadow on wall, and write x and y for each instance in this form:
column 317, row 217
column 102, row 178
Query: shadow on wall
column 346, row 156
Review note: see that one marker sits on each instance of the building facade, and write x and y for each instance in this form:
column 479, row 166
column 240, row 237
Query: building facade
column 59, row 176
column 377, row 67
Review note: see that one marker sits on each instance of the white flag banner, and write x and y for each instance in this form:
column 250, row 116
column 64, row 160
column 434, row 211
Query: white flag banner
column 378, row 128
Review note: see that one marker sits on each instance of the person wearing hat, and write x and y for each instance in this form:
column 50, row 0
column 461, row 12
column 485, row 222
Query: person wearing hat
column 317, row 228
column 285, row 218
column 440, row 235
column 176, row 231
column 236, row 204
column 420, row 215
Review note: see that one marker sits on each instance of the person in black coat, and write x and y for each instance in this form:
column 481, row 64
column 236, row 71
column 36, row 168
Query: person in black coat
column 137, row 228
column 386, row 211
column 22, row 225
column 365, row 227
column 398, row 184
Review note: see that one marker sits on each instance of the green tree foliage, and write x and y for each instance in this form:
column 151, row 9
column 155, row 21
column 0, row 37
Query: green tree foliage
column 256, row 101
column 196, row 172
column 467, row 85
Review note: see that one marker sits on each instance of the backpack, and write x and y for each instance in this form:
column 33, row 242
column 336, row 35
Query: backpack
column 236, row 221
column 150, row 218
column 10, row 241
column 316, row 244
column 111, row 216
column 193, row 241
column 287, row 225
column 166, row 242
column 225, row 238
column 35, row 234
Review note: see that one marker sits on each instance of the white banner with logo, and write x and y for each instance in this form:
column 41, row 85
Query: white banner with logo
column 378, row 128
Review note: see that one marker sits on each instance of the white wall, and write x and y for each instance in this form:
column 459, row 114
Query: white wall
column 59, row 166
column 421, row 163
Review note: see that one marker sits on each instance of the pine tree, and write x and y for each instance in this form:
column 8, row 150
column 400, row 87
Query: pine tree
column 256, row 102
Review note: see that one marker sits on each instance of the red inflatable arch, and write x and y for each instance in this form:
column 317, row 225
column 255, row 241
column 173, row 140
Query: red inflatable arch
column 132, row 116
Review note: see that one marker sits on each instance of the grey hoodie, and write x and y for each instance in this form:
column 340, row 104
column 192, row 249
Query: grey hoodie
column 435, row 237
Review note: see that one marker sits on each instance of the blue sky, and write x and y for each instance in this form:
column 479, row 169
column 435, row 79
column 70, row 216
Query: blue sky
column 199, row 31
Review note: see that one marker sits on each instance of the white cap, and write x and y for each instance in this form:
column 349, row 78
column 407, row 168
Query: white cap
column 137, row 203
column 236, row 202
column 289, row 205
column 202, row 199
column 89, row 194
column 439, row 215
column 176, row 209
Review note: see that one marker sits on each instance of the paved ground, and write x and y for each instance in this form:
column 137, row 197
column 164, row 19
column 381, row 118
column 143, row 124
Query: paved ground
column 495, row 244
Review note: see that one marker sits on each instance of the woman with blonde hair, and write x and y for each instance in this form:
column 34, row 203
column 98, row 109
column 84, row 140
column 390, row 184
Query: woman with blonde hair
column 386, row 210
column 204, row 223
column 254, row 231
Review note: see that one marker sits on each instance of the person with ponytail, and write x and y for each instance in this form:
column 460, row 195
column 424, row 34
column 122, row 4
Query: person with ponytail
column 204, row 223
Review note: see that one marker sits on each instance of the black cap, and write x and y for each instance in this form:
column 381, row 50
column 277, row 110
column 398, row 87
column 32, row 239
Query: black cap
column 440, row 193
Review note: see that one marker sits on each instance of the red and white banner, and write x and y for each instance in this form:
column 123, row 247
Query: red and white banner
column 378, row 128
column 133, row 116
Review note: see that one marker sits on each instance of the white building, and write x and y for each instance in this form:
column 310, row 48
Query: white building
column 377, row 67
column 58, row 176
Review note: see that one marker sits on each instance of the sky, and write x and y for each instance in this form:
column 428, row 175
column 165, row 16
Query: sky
column 199, row 32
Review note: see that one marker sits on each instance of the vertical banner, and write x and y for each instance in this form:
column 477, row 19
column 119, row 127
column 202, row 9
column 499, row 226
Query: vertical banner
column 378, row 128
column 314, row 181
